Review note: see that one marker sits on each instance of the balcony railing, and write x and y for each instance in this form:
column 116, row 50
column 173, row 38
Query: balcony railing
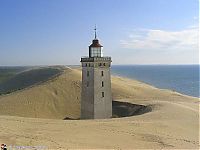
column 88, row 59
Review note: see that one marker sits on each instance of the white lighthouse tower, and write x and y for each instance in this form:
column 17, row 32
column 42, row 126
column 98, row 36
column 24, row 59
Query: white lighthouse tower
column 96, row 99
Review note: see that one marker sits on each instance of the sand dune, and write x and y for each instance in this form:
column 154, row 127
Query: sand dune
column 172, row 123
column 58, row 98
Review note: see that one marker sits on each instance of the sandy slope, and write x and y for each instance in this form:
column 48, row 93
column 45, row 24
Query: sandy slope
column 57, row 99
column 173, row 123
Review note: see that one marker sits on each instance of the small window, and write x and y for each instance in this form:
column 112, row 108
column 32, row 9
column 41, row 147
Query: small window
column 104, row 64
column 102, row 84
column 87, row 83
column 101, row 73
column 86, row 64
column 100, row 64
column 102, row 94
column 88, row 73
column 89, row 64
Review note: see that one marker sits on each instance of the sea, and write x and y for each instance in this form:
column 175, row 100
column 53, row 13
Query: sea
column 181, row 78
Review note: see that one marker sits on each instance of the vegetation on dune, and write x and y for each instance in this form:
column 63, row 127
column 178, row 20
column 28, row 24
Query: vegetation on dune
column 8, row 72
column 13, row 79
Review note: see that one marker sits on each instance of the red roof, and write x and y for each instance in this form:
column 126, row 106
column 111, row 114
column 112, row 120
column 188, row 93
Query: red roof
column 95, row 43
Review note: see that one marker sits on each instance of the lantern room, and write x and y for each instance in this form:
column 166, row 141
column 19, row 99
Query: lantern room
column 95, row 49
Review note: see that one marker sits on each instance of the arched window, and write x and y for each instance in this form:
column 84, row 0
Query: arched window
column 102, row 94
column 102, row 73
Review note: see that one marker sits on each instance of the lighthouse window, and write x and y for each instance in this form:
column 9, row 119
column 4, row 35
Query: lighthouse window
column 88, row 73
column 102, row 94
column 102, row 84
column 101, row 73
column 96, row 52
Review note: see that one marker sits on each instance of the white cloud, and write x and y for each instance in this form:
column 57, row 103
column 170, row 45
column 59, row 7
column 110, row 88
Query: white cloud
column 195, row 18
column 162, row 40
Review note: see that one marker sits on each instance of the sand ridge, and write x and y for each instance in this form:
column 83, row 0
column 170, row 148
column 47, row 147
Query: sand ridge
column 172, row 123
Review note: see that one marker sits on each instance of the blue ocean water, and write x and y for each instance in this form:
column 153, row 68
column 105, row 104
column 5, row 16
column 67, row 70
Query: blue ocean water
column 181, row 78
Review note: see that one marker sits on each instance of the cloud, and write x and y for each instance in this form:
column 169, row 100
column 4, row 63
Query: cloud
column 162, row 40
column 195, row 18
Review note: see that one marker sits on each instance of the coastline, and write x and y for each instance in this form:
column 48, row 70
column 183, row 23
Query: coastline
column 149, row 84
column 181, row 78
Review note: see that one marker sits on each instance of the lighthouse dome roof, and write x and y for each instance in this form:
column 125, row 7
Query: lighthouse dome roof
column 95, row 43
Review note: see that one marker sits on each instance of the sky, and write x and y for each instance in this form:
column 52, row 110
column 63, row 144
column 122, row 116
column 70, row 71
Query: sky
column 58, row 32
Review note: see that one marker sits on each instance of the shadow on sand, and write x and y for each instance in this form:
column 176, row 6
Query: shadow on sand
column 125, row 109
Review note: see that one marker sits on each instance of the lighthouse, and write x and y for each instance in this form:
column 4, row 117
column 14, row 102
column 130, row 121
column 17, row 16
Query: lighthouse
column 96, row 97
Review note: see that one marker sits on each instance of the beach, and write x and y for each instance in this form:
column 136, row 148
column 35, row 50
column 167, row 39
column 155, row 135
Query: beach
column 35, row 117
